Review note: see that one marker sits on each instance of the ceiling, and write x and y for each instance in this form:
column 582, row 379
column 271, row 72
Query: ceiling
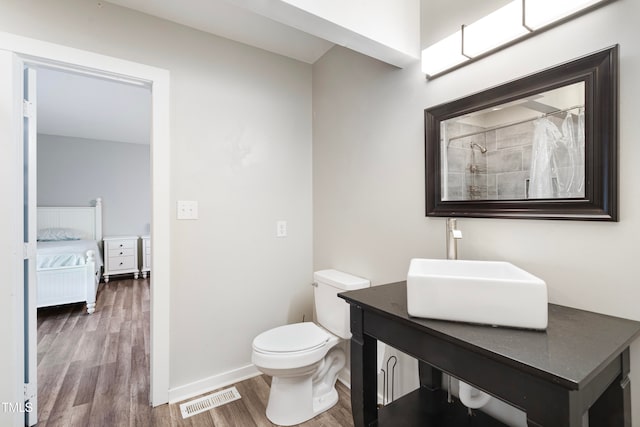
column 236, row 23
column 82, row 106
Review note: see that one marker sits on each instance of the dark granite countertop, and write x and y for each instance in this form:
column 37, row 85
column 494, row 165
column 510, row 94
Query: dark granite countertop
column 575, row 347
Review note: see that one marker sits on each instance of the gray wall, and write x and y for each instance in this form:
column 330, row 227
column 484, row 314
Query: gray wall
column 74, row 171
column 368, row 160
column 241, row 147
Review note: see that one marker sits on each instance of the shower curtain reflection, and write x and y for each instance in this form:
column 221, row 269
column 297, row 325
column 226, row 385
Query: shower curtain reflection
column 557, row 158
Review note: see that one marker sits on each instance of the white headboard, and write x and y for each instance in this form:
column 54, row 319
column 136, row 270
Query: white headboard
column 88, row 220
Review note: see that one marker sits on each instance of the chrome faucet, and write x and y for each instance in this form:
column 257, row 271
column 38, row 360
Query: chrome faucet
column 453, row 235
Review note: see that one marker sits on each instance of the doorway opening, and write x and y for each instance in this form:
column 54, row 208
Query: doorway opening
column 93, row 138
column 19, row 52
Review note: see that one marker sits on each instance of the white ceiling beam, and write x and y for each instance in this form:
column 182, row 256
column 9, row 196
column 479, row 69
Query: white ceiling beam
column 386, row 30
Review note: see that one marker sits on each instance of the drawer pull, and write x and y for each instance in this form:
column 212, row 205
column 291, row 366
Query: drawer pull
column 121, row 253
column 121, row 263
column 120, row 244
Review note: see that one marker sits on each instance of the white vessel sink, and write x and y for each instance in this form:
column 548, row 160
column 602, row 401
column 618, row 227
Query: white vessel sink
column 486, row 292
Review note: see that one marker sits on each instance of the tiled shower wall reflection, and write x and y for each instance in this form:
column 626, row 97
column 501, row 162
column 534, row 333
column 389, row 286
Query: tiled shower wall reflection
column 495, row 164
column 499, row 173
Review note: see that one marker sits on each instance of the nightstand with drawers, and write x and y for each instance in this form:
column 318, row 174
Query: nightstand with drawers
column 120, row 256
column 146, row 256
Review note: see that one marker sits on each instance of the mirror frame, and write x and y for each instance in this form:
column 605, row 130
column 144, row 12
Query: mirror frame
column 599, row 72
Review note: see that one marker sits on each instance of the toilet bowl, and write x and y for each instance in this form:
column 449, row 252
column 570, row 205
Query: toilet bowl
column 304, row 359
column 304, row 362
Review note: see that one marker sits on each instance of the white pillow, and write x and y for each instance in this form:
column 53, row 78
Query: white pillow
column 54, row 234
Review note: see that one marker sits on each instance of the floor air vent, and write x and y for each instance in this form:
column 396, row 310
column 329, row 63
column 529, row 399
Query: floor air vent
column 210, row 401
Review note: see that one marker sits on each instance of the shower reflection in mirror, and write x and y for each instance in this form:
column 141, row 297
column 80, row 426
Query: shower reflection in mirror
column 531, row 148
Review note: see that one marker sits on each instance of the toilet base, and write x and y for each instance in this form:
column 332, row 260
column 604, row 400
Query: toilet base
column 323, row 403
column 291, row 403
column 296, row 399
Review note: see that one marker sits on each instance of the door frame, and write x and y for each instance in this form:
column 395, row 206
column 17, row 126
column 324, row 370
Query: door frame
column 32, row 51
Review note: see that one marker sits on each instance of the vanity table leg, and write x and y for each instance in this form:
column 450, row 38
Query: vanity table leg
column 613, row 407
column 431, row 381
column 364, row 385
column 566, row 409
column 430, row 377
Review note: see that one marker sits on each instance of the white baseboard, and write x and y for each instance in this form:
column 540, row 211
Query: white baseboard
column 224, row 379
column 206, row 385
column 345, row 377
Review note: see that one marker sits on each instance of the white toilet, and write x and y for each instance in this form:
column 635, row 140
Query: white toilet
column 303, row 358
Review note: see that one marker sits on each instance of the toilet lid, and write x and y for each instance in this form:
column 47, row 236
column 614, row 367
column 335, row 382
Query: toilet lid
column 291, row 338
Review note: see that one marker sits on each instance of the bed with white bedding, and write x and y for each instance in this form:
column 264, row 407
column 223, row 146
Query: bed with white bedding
column 69, row 259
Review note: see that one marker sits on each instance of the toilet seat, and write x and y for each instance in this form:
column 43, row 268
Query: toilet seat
column 297, row 337
column 294, row 346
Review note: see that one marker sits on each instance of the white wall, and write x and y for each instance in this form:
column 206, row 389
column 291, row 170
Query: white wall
column 74, row 171
column 241, row 146
column 368, row 158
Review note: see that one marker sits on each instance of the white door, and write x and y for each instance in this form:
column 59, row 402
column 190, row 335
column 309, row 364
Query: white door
column 30, row 227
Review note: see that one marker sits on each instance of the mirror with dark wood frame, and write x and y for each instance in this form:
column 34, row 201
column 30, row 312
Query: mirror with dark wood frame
column 543, row 146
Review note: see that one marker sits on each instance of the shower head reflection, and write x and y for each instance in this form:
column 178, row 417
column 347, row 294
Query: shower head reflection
column 482, row 148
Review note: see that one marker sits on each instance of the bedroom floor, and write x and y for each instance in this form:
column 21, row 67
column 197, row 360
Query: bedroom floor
column 93, row 370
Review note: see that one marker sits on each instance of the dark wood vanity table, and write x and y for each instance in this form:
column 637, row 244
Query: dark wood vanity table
column 580, row 363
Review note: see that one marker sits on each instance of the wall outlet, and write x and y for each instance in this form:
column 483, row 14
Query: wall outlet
column 281, row 228
column 187, row 209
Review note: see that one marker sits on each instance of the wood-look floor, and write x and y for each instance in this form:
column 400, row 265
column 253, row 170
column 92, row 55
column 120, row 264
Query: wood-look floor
column 93, row 370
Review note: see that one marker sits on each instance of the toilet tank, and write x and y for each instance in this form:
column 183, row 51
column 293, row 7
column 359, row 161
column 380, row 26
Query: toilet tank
column 332, row 312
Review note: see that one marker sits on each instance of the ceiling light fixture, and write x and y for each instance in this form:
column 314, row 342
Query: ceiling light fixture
column 510, row 24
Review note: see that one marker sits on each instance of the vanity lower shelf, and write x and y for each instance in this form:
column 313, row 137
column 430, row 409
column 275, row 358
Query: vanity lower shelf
column 411, row 410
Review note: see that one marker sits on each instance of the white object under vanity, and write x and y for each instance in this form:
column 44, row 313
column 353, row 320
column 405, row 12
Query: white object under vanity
column 146, row 256
column 120, row 256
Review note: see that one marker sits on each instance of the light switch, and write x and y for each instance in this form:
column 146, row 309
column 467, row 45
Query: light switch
column 187, row 209
column 281, row 229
